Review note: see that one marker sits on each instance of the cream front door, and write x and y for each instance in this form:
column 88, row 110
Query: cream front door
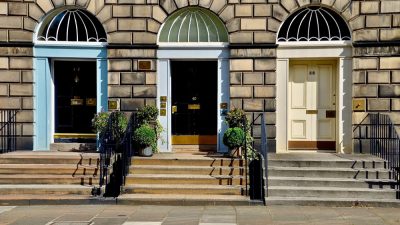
column 312, row 106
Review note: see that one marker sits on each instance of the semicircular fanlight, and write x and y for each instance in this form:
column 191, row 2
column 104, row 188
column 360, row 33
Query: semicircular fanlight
column 314, row 23
column 193, row 24
column 71, row 25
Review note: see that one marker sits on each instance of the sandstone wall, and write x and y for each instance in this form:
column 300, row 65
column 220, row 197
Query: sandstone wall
column 132, row 27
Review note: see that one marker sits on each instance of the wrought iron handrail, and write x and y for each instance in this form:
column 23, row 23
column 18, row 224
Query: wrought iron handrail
column 384, row 142
column 258, row 165
column 115, row 157
column 8, row 130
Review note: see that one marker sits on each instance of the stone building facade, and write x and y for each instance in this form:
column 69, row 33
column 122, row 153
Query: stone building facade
column 132, row 28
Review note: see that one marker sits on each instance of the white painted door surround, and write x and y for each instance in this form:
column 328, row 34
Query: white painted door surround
column 339, row 51
column 208, row 52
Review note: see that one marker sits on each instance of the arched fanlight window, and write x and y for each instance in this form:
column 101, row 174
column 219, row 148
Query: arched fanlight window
column 193, row 24
column 71, row 24
column 314, row 23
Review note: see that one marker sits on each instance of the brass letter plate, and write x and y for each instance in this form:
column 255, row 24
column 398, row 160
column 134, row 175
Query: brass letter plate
column 330, row 114
column 194, row 106
column 311, row 111
column 76, row 102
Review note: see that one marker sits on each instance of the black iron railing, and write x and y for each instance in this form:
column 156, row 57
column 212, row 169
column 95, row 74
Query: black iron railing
column 115, row 156
column 256, row 155
column 8, row 131
column 377, row 135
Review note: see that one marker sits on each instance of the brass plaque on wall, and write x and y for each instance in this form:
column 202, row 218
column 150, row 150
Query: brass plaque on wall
column 163, row 98
column 359, row 104
column 163, row 112
column 163, row 105
column 330, row 114
column 112, row 105
column 311, row 111
column 76, row 102
column 144, row 65
column 224, row 105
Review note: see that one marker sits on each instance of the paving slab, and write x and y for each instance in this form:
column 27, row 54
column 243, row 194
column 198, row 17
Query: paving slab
column 196, row 215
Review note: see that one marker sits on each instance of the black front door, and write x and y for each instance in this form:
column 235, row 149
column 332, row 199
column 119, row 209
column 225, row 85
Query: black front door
column 194, row 102
column 75, row 96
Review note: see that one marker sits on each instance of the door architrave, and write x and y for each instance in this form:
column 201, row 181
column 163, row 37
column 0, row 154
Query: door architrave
column 168, row 52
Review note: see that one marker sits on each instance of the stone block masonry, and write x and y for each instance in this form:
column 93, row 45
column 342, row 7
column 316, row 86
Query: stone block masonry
column 16, row 90
column 132, row 28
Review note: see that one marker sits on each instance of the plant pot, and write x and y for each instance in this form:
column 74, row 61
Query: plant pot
column 146, row 152
column 235, row 152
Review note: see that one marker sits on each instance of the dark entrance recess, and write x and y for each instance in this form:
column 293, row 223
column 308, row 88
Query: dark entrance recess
column 194, row 100
column 75, row 96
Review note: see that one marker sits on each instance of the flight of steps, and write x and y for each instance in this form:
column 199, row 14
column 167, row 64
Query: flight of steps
column 185, row 179
column 47, row 177
column 330, row 179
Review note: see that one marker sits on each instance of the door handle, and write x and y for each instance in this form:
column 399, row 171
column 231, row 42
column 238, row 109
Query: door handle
column 174, row 109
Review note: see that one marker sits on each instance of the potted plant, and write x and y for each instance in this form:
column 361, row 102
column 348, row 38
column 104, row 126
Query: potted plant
column 146, row 139
column 236, row 118
column 100, row 124
column 148, row 116
column 234, row 139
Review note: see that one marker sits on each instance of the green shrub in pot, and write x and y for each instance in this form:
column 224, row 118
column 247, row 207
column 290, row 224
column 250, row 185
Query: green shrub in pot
column 234, row 138
column 146, row 138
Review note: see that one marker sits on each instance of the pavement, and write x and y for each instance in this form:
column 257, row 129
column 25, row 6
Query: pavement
column 196, row 215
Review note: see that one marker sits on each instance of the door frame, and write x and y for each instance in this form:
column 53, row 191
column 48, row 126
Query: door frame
column 341, row 51
column 167, row 53
column 44, row 54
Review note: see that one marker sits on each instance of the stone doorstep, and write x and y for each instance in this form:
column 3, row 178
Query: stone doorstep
column 332, row 202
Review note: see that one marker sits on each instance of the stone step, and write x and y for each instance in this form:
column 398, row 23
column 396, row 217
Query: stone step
column 336, row 202
column 46, row 189
column 355, row 164
column 70, row 169
column 331, row 182
column 86, row 159
column 184, row 200
column 26, row 199
column 73, row 147
column 183, row 179
column 173, row 169
column 184, row 189
column 195, row 161
column 47, row 179
column 329, row 172
column 331, row 192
